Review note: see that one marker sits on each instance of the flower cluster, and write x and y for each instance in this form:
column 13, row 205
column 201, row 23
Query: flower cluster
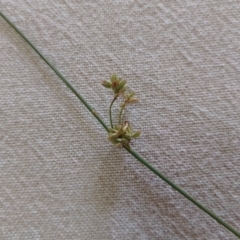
column 129, row 98
column 116, row 84
column 121, row 134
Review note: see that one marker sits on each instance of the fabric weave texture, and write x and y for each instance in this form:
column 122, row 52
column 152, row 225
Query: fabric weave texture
column 60, row 177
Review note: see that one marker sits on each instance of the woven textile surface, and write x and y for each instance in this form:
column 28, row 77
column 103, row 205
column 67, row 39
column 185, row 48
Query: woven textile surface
column 59, row 176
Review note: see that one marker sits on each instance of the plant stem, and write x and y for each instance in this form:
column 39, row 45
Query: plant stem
column 110, row 110
column 57, row 72
column 120, row 114
column 180, row 190
column 136, row 155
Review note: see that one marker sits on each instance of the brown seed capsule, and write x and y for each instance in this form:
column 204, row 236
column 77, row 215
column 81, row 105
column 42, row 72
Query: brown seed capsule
column 106, row 84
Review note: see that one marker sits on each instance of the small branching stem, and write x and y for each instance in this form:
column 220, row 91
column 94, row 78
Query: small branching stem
column 120, row 114
column 110, row 110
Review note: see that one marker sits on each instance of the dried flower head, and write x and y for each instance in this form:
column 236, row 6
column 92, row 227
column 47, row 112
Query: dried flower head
column 122, row 134
column 129, row 98
column 116, row 84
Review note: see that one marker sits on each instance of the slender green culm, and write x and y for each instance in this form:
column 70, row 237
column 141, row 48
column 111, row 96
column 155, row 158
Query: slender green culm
column 120, row 114
column 56, row 71
column 135, row 154
column 110, row 112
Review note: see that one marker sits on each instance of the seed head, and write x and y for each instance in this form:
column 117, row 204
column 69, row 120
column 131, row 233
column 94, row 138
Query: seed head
column 122, row 134
column 116, row 84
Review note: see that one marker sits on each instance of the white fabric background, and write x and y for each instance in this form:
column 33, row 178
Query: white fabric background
column 60, row 178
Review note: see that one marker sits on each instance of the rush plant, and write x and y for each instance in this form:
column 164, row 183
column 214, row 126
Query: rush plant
column 121, row 134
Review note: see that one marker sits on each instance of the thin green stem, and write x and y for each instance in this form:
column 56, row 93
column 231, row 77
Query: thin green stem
column 120, row 114
column 110, row 111
column 57, row 72
column 180, row 190
column 136, row 155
